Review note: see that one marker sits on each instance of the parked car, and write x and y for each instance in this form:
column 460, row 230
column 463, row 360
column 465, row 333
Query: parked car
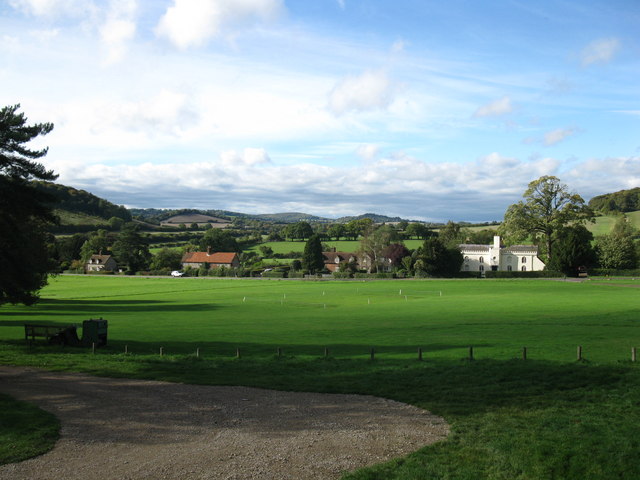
column 176, row 273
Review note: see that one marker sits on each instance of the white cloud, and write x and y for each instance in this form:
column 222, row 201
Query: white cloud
column 368, row 152
column 368, row 91
column 498, row 107
column 341, row 4
column 600, row 51
column 118, row 29
column 248, row 157
column 191, row 23
column 51, row 8
column 556, row 136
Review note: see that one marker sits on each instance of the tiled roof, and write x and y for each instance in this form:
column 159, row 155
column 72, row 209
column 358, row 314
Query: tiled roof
column 100, row 259
column 204, row 257
column 330, row 257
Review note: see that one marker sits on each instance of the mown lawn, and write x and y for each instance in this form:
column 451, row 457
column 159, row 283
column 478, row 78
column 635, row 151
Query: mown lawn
column 547, row 417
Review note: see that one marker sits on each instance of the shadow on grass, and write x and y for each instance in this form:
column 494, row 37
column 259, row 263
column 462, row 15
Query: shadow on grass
column 54, row 307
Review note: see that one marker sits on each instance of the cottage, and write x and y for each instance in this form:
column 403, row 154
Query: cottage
column 211, row 260
column 333, row 260
column 479, row 258
column 101, row 263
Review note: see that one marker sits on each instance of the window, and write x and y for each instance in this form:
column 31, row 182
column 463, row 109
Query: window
column 524, row 259
column 481, row 259
column 482, row 268
column 466, row 268
column 509, row 268
column 524, row 268
column 466, row 259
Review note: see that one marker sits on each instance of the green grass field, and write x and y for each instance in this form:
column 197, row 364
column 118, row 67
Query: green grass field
column 547, row 417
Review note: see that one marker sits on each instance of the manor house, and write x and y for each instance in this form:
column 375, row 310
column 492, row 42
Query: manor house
column 479, row 258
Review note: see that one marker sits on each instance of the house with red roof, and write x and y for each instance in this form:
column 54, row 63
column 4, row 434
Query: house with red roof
column 211, row 260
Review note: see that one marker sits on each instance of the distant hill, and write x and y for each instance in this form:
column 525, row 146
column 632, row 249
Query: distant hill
column 373, row 216
column 72, row 200
column 622, row 201
column 291, row 217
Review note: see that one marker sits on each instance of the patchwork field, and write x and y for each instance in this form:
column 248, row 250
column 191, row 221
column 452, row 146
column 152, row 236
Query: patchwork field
column 547, row 417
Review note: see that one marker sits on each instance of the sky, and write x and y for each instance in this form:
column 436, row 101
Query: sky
column 422, row 109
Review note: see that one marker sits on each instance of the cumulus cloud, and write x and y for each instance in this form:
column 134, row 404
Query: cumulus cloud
column 51, row 8
column 191, row 23
column 248, row 157
column 600, row 51
column 498, row 107
column 368, row 91
column 556, row 136
column 368, row 152
column 118, row 29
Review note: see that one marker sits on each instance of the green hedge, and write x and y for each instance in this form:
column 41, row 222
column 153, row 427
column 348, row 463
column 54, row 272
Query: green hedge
column 519, row 274
column 613, row 272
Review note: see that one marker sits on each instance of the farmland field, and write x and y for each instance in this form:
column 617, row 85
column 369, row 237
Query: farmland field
column 547, row 417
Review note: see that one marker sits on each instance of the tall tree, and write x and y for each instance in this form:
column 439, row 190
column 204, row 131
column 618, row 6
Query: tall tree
column 219, row 241
column 132, row 249
column 373, row 244
column 548, row 208
column 438, row 260
column 572, row 251
column 617, row 250
column 312, row 258
column 24, row 210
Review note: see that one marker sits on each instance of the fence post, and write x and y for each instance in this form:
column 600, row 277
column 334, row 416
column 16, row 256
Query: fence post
column 579, row 352
column 420, row 354
column 161, row 351
column 633, row 354
column 126, row 349
column 471, row 354
column 238, row 352
column 279, row 352
column 373, row 354
column 198, row 352
column 524, row 353
column 93, row 348
column 326, row 352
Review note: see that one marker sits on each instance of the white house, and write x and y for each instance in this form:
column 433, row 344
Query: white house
column 480, row 258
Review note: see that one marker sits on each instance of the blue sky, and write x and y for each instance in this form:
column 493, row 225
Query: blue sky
column 423, row 109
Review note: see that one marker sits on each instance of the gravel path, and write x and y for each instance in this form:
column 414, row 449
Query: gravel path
column 133, row 429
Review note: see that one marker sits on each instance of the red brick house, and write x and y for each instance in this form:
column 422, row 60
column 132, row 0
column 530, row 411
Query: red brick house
column 211, row 260
column 332, row 260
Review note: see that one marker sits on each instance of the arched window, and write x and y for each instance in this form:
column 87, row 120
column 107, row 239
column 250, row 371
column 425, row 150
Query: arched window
column 482, row 268
column 466, row 268
column 481, row 259
column 509, row 268
column 524, row 268
column 466, row 259
column 524, row 259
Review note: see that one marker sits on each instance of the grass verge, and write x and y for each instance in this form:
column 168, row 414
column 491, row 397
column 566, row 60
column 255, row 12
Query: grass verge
column 25, row 430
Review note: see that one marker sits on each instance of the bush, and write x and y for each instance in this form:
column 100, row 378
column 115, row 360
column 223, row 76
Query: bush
column 519, row 274
column 610, row 272
column 274, row 274
column 296, row 274
column 341, row 275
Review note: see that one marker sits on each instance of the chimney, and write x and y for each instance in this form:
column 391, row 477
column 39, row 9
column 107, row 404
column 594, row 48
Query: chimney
column 208, row 250
column 496, row 242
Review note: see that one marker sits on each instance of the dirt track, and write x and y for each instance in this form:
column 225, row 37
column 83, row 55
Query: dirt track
column 131, row 429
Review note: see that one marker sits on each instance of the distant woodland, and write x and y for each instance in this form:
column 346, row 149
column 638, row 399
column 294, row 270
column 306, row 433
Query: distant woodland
column 622, row 201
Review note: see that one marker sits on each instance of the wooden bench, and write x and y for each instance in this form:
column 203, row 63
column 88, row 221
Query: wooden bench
column 31, row 331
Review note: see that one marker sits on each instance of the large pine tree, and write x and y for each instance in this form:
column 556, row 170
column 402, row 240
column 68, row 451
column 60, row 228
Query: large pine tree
column 24, row 211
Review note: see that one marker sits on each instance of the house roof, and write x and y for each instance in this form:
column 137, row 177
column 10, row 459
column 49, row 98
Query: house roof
column 330, row 257
column 204, row 257
column 100, row 258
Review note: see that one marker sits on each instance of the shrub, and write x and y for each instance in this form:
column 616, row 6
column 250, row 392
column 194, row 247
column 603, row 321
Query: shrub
column 519, row 274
